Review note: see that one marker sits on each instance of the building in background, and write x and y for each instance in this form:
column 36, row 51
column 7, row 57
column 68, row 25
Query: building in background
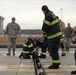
column 1, row 25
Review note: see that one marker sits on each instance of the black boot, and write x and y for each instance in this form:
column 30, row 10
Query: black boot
column 73, row 72
column 63, row 54
column 54, row 66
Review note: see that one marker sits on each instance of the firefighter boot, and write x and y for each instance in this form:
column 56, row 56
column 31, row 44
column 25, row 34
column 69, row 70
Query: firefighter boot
column 54, row 66
column 63, row 52
column 73, row 72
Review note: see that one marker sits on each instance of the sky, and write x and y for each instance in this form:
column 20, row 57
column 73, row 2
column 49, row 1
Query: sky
column 29, row 15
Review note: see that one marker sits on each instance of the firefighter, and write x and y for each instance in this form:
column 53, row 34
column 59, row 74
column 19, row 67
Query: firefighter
column 28, row 49
column 52, row 29
column 43, row 43
column 62, row 40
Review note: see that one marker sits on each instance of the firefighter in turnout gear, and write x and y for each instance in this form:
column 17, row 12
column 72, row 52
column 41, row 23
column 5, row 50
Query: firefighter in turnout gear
column 43, row 43
column 62, row 40
column 28, row 49
column 53, row 32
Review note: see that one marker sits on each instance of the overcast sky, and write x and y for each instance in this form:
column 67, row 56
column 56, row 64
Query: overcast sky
column 29, row 15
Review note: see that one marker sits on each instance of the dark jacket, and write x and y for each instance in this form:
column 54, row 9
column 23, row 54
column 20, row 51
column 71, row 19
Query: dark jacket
column 28, row 45
column 51, row 25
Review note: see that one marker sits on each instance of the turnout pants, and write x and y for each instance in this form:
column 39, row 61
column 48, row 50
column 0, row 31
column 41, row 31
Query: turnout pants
column 53, row 49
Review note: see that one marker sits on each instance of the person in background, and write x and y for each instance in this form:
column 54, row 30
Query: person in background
column 51, row 29
column 62, row 40
column 12, row 31
column 68, row 36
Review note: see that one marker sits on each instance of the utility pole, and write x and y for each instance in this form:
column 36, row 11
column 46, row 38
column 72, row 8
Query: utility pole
column 61, row 13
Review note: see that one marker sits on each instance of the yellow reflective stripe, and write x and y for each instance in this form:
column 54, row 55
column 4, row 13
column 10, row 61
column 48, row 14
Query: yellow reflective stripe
column 54, row 35
column 33, row 51
column 46, row 22
column 54, row 22
column 25, row 45
column 25, row 51
column 30, row 45
column 63, row 36
column 50, row 23
column 55, row 61
column 43, row 53
column 63, row 52
column 43, row 32
column 31, row 56
column 28, row 51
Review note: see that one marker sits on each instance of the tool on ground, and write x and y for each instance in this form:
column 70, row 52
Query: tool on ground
column 37, row 66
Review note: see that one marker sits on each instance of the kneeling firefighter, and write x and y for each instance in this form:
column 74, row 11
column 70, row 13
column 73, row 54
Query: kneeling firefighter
column 42, row 42
column 28, row 49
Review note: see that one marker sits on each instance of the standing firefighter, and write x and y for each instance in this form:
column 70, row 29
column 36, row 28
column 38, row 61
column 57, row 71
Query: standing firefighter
column 52, row 29
column 28, row 48
column 12, row 30
column 62, row 40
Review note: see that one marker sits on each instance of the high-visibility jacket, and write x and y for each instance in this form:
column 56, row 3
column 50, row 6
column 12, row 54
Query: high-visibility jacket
column 28, row 46
column 51, row 25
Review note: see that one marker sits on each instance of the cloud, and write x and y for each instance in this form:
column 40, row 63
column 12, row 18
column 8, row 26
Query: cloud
column 29, row 12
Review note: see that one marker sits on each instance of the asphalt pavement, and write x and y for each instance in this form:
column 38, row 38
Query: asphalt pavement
column 12, row 65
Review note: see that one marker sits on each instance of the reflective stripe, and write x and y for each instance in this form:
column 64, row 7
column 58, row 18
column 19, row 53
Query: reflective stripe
column 31, row 56
column 43, row 32
column 26, row 52
column 24, row 45
column 46, row 22
column 55, row 61
column 54, row 35
column 63, row 50
column 30, row 45
column 43, row 53
column 54, row 22
column 50, row 23
column 33, row 51
column 63, row 36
